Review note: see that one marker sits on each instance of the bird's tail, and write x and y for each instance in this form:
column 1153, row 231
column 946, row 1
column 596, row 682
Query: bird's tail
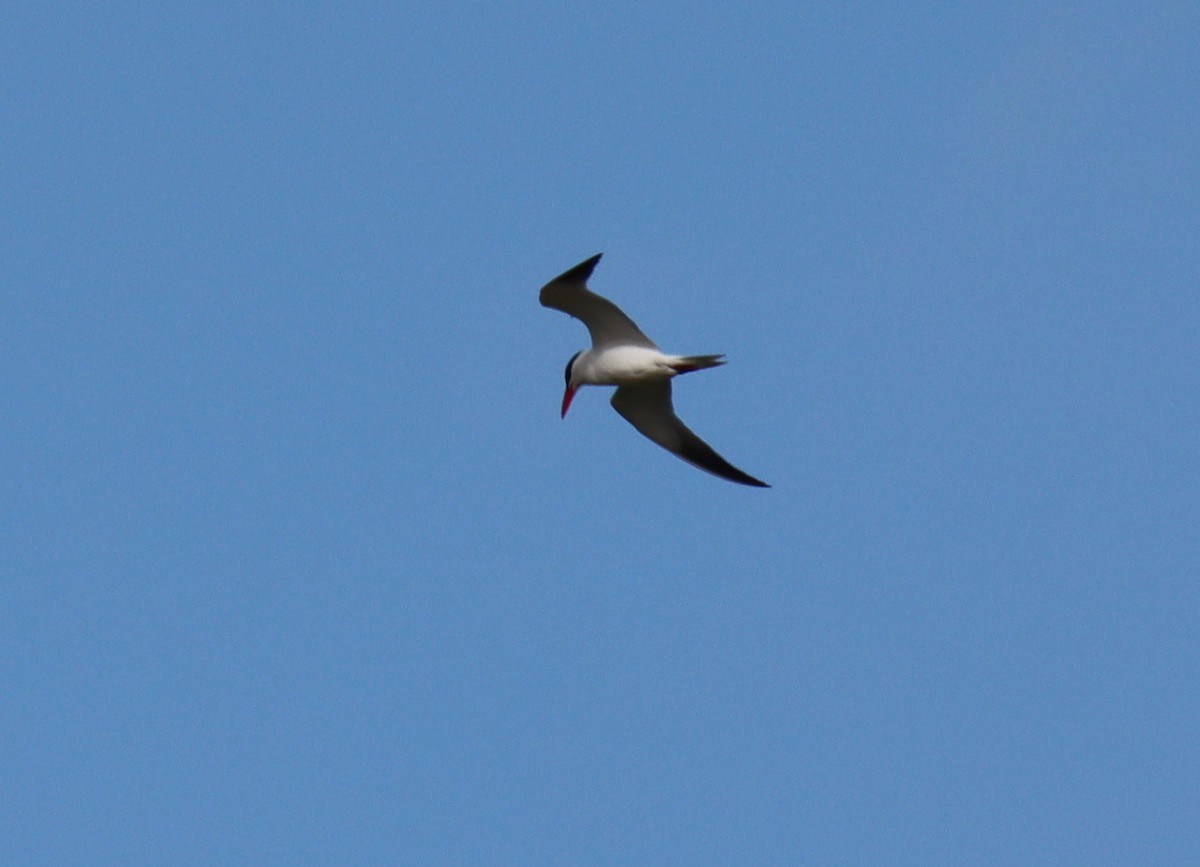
column 688, row 363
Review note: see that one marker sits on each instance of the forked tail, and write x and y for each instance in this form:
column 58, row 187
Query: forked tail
column 688, row 363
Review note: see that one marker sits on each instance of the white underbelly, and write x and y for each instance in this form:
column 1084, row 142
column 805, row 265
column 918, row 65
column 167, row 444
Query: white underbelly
column 624, row 364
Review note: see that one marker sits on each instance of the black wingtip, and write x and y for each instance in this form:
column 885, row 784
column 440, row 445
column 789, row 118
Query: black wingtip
column 700, row 454
column 746, row 479
column 580, row 273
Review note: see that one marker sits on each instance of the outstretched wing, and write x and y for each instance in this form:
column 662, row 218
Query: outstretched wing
column 648, row 407
column 606, row 323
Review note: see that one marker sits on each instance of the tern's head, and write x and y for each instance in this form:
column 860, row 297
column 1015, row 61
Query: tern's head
column 572, row 385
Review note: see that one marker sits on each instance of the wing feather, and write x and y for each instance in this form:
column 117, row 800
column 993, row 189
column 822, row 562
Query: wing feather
column 605, row 321
column 649, row 408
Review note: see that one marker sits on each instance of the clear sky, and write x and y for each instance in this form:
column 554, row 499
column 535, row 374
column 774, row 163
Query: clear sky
column 300, row 565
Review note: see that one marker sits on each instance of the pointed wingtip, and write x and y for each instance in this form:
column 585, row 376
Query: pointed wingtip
column 580, row 273
column 741, row 478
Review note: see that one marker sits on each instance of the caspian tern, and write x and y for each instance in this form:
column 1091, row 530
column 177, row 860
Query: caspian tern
column 623, row 356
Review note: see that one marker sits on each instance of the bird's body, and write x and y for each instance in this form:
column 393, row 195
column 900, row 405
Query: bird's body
column 622, row 355
column 628, row 365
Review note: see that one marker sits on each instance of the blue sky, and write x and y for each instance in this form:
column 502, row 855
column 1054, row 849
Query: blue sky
column 301, row 566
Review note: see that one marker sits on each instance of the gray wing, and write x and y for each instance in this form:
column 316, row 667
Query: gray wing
column 648, row 407
column 606, row 323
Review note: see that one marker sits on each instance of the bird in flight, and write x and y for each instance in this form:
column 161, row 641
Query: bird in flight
column 623, row 356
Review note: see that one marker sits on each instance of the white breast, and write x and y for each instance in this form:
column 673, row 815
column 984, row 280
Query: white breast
column 622, row 364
